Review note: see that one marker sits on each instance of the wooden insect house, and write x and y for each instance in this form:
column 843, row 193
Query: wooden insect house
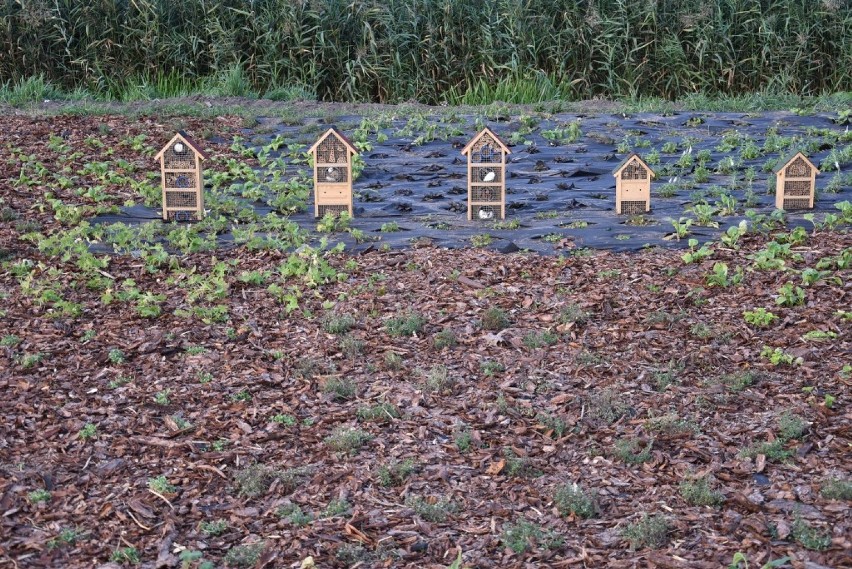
column 795, row 183
column 182, row 179
column 486, row 176
column 633, row 186
column 333, row 154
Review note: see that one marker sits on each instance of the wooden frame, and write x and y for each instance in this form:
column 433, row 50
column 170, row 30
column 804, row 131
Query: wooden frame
column 633, row 185
column 333, row 154
column 182, row 179
column 795, row 183
column 486, row 176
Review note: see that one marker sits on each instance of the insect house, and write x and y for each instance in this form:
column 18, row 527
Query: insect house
column 182, row 179
column 795, row 183
column 333, row 155
column 486, row 176
column 633, row 186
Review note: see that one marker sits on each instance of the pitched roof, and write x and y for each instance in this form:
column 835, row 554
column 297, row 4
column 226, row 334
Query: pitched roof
column 188, row 140
column 789, row 157
column 627, row 159
column 343, row 138
column 488, row 131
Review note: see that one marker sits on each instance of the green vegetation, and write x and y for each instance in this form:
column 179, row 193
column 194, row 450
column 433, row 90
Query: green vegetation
column 699, row 492
column 405, row 324
column 508, row 52
column 522, row 535
column 571, row 499
column 347, row 440
column 649, row 531
column 432, row 509
column 837, row 489
column 495, row 319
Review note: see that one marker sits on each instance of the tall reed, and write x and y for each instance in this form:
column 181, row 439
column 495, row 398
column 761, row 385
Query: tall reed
column 433, row 50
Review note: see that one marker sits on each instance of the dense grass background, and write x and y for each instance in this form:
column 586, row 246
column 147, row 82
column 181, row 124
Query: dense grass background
column 459, row 51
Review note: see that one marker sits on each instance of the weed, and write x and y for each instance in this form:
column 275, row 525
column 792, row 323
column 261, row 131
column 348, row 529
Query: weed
column 347, row 440
column 116, row 356
column 649, row 531
column 664, row 378
column 395, row 473
column 791, row 426
column 571, row 499
column 89, row 431
column 195, row 350
column 244, row 556
column 808, row 536
column 446, row 338
column 213, row 528
column 352, row 554
column 337, row 323
column 350, row 346
column 540, row 339
column 837, row 489
column 295, row 515
column 336, row 508
column 523, row 535
column 68, row 536
column 771, row 450
column 463, row 439
column 243, row 395
column 432, row 509
column 573, row 314
column 481, row 240
column 518, row 465
column 607, row 405
column 286, row 420
column 438, row 379
column 405, row 324
column 671, row 424
column 699, row 492
column 701, row 330
column 125, row 555
column 631, row 451
column 161, row 485
column 340, row 389
column 552, row 423
column 378, row 413
column 255, row 479
column 38, row 496
column 588, row 358
column 393, row 361
column 739, row 380
column 491, row 368
column 10, row 341
column 162, row 397
column 494, row 318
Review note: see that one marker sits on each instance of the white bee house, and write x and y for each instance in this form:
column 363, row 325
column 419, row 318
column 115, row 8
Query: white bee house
column 795, row 183
column 182, row 179
column 633, row 186
column 333, row 155
column 486, row 176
